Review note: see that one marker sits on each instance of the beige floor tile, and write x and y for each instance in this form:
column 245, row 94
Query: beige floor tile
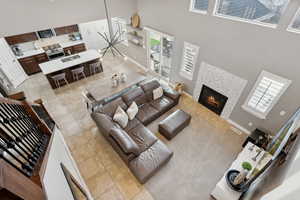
column 99, row 184
column 112, row 194
column 90, row 168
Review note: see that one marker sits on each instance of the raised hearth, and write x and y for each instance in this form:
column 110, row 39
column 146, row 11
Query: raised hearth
column 212, row 99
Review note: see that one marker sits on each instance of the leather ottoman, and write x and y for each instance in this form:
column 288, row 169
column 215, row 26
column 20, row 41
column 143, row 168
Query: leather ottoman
column 174, row 123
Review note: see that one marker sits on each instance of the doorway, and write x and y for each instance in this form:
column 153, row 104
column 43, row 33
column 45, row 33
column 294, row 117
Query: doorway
column 159, row 53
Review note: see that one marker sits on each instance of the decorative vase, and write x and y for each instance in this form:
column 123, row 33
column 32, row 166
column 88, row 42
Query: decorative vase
column 115, row 80
column 123, row 77
column 241, row 177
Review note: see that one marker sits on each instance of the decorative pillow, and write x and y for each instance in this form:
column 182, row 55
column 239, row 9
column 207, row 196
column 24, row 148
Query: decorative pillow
column 127, row 144
column 121, row 117
column 132, row 111
column 157, row 93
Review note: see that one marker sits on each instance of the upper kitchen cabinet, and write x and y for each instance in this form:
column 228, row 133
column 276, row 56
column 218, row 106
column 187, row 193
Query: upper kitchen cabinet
column 66, row 29
column 17, row 39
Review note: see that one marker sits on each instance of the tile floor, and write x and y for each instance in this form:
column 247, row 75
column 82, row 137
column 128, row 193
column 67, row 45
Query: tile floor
column 106, row 175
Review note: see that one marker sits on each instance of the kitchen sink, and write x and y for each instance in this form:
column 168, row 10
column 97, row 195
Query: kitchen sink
column 70, row 58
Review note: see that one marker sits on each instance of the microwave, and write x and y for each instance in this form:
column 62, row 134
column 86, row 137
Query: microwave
column 48, row 33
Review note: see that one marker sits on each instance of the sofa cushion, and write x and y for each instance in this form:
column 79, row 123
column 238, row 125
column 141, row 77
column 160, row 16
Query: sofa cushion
column 121, row 117
column 104, row 122
column 162, row 104
column 142, row 136
column 146, row 114
column 127, row 144
column 137, row 95
column 150, row 161
column 173, row 94
column 148, row 88
column 111, row 107
column 132, row 111
column 158, row 93
column 132, row 124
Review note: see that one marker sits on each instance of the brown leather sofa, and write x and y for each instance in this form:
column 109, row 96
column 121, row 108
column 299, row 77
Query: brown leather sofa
column 140, row 149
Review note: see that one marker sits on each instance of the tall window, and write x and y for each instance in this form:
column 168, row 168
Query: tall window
column 256, row 11
column 295, row 25
column 265, row 94
column 189, row 59
column 199, row 6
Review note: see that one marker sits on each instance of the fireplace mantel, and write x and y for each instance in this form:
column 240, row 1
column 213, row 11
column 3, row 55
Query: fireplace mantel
column 223, row 82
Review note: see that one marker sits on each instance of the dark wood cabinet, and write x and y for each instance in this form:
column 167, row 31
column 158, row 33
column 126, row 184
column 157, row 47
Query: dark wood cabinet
column 66, row 29
column 31, row 64
column 26, row 37
column 41, row 58
column 78, row 48
column 68, row 50
column 75, row 49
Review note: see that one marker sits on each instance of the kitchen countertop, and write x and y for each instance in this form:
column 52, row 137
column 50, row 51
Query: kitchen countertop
column 31, row 53
column 57, row 65
column 40, row 51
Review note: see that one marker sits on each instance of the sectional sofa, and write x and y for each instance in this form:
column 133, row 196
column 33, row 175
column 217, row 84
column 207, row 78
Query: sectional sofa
column 140, row 149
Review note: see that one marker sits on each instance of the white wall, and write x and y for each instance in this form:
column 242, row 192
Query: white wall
column 55, row 183
column 240, row 48
column 89, row 32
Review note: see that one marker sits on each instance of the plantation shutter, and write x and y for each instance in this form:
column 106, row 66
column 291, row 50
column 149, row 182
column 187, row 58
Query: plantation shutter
column 190, row 54
column 265, row 93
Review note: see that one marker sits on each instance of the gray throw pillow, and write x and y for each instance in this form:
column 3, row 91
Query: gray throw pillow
column 121, row 117
column 127, row 144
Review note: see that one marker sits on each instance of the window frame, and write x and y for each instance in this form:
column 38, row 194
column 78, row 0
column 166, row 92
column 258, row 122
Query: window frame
column 182, row 72
column 263, row 115
column 233, row 18
column 290, row 27
column 192, row 8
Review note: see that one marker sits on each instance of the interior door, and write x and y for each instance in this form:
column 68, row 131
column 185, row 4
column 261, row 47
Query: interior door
column 10, row 65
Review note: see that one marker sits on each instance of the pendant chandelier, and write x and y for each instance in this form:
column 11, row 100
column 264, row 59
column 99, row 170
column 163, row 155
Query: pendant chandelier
column 112, row 39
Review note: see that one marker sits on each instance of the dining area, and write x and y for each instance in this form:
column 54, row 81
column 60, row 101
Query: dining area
column 69, row 69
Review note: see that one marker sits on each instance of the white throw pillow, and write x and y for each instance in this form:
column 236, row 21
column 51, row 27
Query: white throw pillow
column 121, row 117
column 157, row 93
column 132, row 111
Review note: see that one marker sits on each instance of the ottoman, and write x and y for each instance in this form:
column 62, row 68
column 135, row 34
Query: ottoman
column 174, row 123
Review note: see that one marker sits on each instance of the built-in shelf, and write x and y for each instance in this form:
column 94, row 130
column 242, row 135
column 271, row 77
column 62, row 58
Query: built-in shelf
column 136, row 44
column 136, row 35
column 138, row 29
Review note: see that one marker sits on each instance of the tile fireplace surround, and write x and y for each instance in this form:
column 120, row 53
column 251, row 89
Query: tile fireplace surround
column 223, row 82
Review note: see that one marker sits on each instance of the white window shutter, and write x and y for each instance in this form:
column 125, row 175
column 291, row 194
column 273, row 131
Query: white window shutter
column 265, row 94
column 189, row 58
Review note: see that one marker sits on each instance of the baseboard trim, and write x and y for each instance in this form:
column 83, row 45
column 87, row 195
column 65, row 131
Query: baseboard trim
column 137, row 63
column 238, row 126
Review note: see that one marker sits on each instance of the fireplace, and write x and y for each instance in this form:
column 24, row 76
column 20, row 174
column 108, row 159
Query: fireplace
column 212, row 99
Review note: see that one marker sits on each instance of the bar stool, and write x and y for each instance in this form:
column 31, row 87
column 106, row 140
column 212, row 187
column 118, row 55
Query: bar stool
column 78, row 72
column 95, row 67
column 58, row 78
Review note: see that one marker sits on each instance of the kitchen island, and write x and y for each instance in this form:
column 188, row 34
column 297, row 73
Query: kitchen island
column 68, row 63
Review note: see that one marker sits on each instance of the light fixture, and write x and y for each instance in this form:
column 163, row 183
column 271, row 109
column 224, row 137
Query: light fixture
column 112, row 39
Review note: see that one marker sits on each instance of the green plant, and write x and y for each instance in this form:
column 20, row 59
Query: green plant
column 247, row 166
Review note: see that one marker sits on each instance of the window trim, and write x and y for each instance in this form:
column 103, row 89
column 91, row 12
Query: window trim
column 290, row 27
column 182, row 72
column 192, row 9
column 275, row 77
column 216, row 14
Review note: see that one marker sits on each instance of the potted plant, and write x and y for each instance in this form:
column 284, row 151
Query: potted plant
column 247, row 167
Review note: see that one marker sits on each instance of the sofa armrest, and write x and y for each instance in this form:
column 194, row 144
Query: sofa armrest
column 169, row 92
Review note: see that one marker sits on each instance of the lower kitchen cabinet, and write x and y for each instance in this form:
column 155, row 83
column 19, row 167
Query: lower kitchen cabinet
column 31, row 64
column 75, row 49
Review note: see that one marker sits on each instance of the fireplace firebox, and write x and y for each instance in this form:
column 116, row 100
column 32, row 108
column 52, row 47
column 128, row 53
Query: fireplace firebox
column 212, row 99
